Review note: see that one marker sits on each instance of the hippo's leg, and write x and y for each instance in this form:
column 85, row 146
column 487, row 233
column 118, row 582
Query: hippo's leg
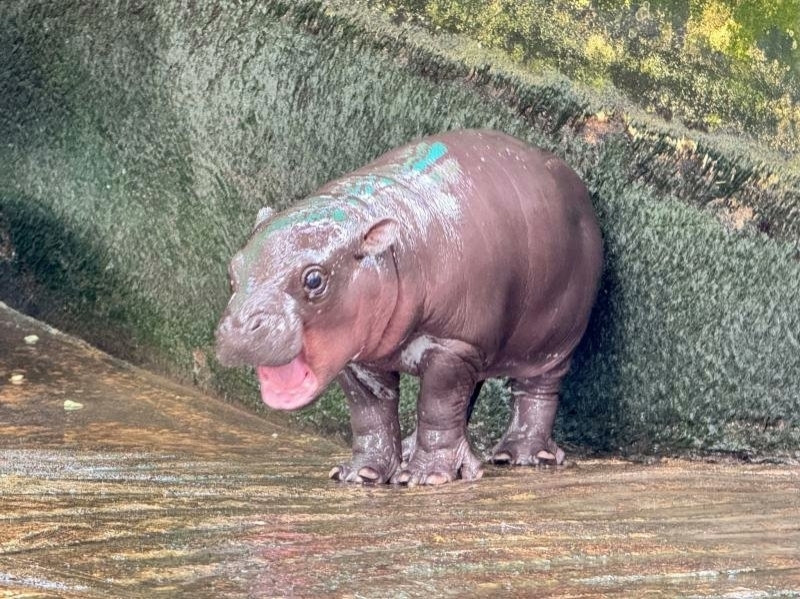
column 528, row 440
column 442, row 451
column 410, row 442
column 372, row 397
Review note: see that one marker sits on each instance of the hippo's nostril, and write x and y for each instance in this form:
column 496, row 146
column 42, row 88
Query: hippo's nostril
column 256, row 323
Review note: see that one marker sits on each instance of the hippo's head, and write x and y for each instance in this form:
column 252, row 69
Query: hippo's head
column 313, row 288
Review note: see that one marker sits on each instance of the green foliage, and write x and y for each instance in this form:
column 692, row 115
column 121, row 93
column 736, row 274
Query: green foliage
column 719, row 65
column 147, row 139
column 683, row 319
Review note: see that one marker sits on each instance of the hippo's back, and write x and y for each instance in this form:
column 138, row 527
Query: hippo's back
column 506, row 236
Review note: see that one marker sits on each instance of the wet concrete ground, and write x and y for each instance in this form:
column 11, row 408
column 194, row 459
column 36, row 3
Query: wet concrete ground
column 117, row 483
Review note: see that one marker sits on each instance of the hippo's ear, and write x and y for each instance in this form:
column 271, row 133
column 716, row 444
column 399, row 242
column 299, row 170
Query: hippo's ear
column 264, row 214
column 380, row 237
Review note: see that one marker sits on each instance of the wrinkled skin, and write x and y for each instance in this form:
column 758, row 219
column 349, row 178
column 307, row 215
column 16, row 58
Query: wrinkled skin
column 460, row 257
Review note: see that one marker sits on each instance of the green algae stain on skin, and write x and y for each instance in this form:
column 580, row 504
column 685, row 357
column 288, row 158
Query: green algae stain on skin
column 306, row 217
column 423, row 159
column 423, row 156
column 363, row 187
column 315, row 213
column 434, row 153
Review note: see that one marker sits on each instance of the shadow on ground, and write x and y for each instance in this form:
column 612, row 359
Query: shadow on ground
column 115, row 482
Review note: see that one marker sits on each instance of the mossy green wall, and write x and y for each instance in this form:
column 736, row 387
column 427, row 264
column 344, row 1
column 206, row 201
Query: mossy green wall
column 718, row 65
column 137, row 142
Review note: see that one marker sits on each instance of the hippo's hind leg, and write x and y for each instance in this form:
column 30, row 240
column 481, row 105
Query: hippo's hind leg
column 372, row 397
column 441, row 452
column 528, row 440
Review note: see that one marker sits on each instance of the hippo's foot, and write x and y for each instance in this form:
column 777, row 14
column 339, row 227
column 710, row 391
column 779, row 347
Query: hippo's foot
column 439, row 466
column 363, row 468
column 520, row 450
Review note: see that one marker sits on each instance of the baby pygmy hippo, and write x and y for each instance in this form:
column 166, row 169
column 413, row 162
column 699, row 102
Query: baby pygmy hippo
column 456, row 258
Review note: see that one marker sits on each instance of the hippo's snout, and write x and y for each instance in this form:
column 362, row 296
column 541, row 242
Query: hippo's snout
column 259, row 332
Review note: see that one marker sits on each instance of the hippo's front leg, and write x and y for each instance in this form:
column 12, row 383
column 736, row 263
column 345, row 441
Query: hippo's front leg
column 372, row 397
column 442, row 451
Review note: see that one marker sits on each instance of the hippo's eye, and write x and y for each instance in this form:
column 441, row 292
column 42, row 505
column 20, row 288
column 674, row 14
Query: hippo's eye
column 314, row 281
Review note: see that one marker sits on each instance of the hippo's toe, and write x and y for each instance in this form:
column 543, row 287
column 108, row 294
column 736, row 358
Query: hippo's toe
column 363, row 469
column 439, row 466
column 524, row 451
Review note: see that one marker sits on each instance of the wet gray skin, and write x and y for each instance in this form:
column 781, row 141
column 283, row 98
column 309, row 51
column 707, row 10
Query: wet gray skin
column 456, row 258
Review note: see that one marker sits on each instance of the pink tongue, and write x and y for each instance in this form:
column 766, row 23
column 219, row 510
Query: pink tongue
column 288, row 387
column 287, row 376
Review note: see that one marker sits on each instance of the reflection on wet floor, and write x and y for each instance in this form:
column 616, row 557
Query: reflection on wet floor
column 149, row 488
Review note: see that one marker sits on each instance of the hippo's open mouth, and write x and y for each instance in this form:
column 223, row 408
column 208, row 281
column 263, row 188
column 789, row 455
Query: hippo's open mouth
column 288, row 387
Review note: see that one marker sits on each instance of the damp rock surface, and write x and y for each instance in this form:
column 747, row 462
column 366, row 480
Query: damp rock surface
column 154, row 489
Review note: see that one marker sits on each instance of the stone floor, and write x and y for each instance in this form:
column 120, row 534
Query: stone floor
column 117, row 483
